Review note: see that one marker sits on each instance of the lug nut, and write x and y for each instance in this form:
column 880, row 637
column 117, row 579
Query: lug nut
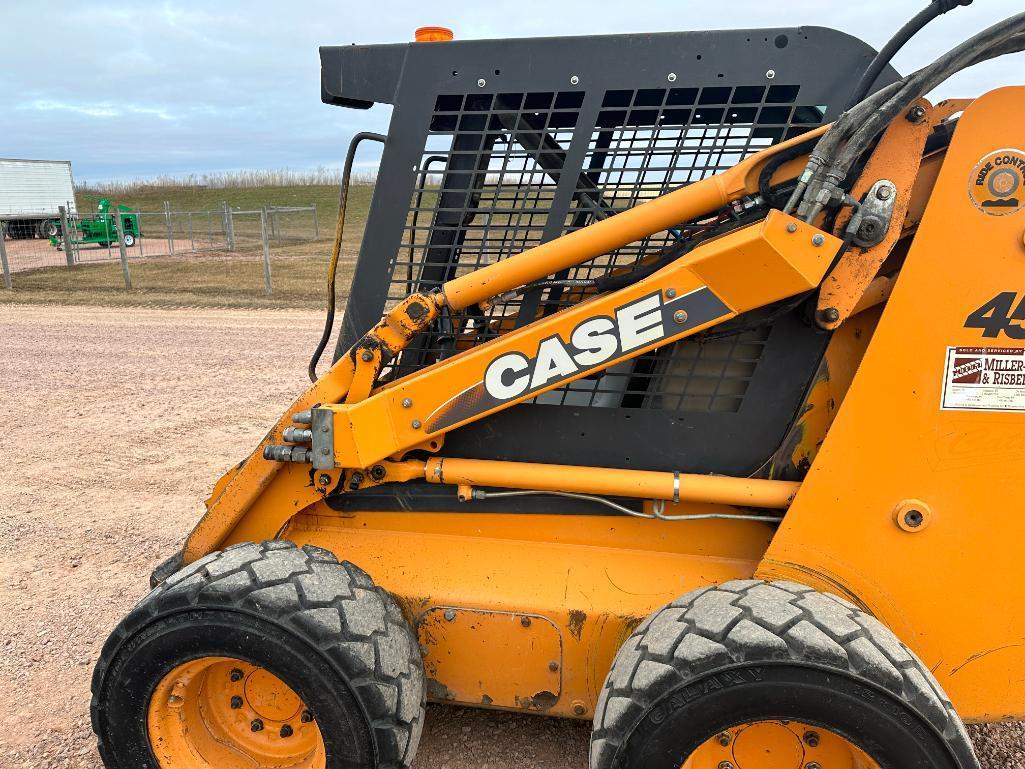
column 725, row 738
column 236, row 674
column 306, row 717
column 286, row 731
column 725, row 765
column 236, row 702
column 813, row 765
column 811, row 739
column 256, row 725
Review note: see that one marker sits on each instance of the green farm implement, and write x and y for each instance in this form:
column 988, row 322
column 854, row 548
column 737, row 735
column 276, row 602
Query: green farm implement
column 98, row 228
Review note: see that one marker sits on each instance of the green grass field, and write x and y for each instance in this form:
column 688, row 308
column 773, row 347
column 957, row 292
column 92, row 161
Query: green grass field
column 299, row 270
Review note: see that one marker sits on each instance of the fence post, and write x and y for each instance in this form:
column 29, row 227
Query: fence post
column 266, row 250
column 170, row 232
column 69, row 248
column 316, row 225
column 119, row 226
column 3, row 257
column 229, row 227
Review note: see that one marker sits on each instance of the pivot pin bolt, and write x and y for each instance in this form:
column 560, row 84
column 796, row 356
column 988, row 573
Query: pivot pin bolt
column 913, row 518
column 367, row 356
column 236, row 702
column 236, row 674
column 256, row 725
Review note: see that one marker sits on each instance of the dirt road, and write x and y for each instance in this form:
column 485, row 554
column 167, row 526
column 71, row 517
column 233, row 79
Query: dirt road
column 117, row 423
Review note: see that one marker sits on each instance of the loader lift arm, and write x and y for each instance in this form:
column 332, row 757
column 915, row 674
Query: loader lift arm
column 749, row 268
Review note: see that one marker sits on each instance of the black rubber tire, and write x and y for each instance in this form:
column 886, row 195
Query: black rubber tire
column 323, row 627
column 129, row 239
column 48, row 228
column 748, row 651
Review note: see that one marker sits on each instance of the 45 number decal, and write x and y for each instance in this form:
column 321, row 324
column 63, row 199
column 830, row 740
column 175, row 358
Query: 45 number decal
column 1003, row 313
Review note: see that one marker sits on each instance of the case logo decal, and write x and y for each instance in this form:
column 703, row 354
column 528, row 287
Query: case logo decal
column 997, row 181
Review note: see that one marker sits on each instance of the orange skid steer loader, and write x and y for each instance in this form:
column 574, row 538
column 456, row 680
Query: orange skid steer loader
column 659, row 400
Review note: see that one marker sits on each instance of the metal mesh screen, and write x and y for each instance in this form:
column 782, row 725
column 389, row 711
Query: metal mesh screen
column 485, row 186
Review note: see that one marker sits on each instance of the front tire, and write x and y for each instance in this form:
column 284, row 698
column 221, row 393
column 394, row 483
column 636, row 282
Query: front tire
column 772, row 674
column 129, row 239
column 278, row 653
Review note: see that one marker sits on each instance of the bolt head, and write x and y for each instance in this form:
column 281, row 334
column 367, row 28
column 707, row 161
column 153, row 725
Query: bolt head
column 553, row 666
column 915, row 114
column 670, row 293
column 286, row 731
column 407, row 403
column 913, row 518
column 324, row 479
column 481, row 83
column 525, row 621
column 830, row 315
column 791, row 228
column 770, row 74
column 813, row 765
column 256, row 725
column 680, row 316
column 811, row 739
column 818, row 240
column 671, row 77
column 306, row 717
column 367, row 356
column 236, row 702
column 450, row 615
column 884, row 193
column 417, row 424
column 236, row 674
column 579, row 709
column 725, row 765
column 574, row 80
column 725, row 738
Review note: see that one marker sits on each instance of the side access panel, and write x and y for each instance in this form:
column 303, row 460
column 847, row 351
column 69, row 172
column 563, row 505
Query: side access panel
column 913, row 508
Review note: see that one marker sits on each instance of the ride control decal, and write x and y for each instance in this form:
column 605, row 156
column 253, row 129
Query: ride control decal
column 997, row 183
column 984, row 379
column 594, row 344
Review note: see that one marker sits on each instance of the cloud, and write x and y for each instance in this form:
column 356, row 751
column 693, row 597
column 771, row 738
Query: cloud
column 182, row 86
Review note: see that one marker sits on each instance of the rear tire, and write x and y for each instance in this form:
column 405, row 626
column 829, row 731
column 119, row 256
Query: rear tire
column 315, row 626
column 749, row 652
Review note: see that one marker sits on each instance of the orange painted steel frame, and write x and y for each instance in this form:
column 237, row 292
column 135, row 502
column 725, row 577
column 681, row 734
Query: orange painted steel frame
column 951, row 589
column 526, row 611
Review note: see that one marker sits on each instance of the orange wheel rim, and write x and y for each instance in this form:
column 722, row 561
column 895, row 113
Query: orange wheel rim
column 222, row 713
column 779, row 745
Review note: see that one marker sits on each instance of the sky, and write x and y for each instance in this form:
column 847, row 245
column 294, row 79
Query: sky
column 130, row 90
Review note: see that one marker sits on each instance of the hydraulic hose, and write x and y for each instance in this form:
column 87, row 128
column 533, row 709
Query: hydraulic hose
column 934, row 10
column 336, row 249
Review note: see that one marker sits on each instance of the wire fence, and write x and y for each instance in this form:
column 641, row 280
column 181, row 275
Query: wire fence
column 69, row 238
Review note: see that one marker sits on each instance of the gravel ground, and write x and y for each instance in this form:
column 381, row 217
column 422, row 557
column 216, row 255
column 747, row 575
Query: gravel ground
column 119, row 423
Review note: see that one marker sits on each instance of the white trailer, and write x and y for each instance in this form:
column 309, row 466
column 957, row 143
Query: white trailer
column 31, row 193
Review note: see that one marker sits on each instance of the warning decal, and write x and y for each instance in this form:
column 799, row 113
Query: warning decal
column 984, row 379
